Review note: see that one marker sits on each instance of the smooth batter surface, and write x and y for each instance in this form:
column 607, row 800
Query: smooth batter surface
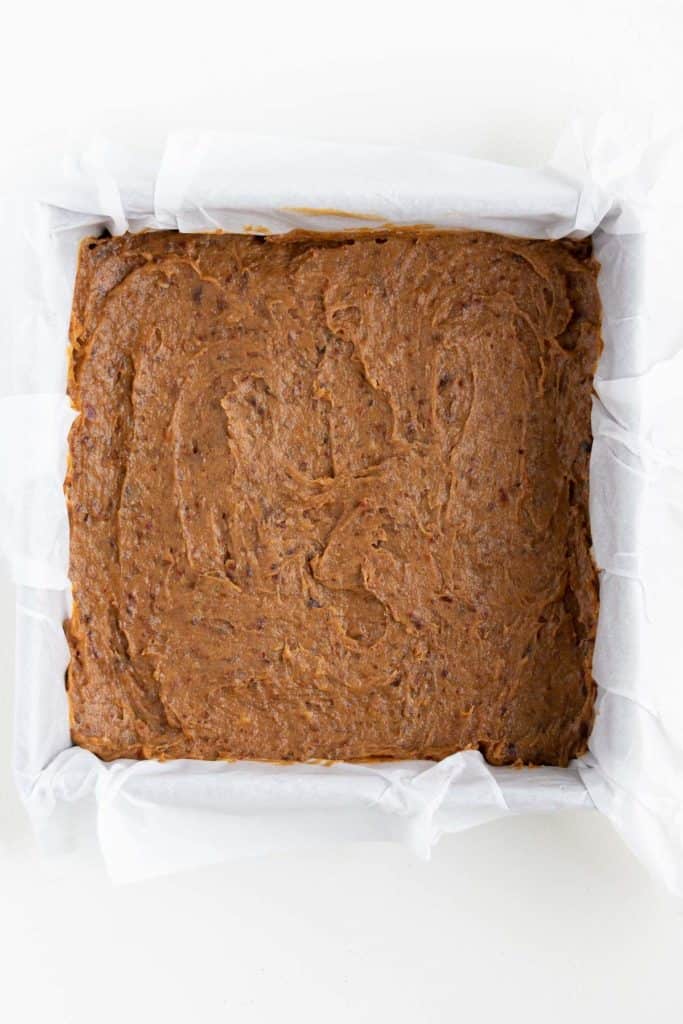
column 328, row 497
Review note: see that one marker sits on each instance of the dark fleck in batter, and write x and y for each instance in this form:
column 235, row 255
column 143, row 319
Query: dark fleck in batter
column 328, row 496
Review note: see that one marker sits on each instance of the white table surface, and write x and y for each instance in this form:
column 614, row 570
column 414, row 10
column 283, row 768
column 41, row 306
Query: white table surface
column 537, row 918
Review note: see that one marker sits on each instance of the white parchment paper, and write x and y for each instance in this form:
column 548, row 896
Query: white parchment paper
column 154, row 818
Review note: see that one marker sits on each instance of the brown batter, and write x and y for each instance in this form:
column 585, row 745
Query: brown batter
column 328, row 496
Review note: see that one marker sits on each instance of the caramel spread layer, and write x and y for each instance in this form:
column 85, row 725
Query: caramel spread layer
column 328, row 496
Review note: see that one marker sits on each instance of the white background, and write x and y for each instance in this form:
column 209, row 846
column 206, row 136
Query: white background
column 545, row 918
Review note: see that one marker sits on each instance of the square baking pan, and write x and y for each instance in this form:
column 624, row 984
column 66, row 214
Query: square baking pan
column 154, row 817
